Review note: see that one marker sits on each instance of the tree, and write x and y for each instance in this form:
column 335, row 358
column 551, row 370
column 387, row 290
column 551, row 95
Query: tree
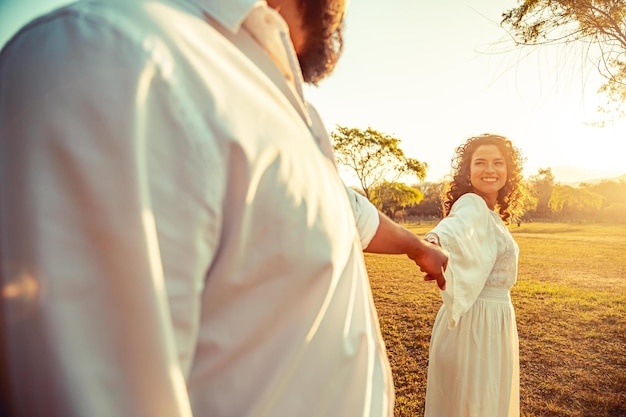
column 373, row 157
column 589, row 22
column 614, row 213
column 614, row 191
column 527, row 202
column 542, row 185
column 390, row 197
column 575, row 202
column 430, row 206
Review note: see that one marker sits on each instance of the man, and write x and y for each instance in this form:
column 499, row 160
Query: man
column 176, row 240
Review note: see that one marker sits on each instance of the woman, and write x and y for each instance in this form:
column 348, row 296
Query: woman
column 473, row 366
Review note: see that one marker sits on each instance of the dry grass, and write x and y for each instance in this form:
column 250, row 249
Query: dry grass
column 570, row 302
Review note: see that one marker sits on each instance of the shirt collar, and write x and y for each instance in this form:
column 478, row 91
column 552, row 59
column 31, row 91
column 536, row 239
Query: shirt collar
column 229, row 13
column 250, row 15
column 235, row 14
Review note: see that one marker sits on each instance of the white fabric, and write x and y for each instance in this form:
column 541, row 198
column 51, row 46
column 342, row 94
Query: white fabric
column 473, row 368
column 175, row 237
column 366, row 214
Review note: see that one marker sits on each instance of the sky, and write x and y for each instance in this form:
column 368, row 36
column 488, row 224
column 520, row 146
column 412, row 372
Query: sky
column 434, row 73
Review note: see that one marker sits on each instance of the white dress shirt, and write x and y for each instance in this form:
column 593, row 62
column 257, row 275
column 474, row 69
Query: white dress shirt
column 176, row 239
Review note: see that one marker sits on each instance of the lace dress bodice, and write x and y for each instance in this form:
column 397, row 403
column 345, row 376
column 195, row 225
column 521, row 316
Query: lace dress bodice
column 504, row 272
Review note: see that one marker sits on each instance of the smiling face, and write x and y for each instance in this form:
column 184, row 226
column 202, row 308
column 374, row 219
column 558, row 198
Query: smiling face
column 488, row 172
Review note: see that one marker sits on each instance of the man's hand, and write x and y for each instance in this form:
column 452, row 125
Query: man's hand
column 432, row 260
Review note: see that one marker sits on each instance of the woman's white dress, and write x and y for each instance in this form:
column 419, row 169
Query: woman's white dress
column 473, row 368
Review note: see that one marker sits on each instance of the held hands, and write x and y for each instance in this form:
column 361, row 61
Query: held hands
column 391, row 238
column 432, row 260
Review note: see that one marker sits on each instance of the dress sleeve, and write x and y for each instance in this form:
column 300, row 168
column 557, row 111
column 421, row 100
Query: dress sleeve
column 465, row 235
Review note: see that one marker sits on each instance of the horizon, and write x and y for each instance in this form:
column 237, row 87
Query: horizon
column 571, row 176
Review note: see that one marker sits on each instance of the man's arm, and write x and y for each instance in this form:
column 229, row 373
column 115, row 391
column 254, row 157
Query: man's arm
column 392, row 238
column 380, row 234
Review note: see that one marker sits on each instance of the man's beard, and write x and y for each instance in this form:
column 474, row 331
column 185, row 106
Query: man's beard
column 324, row 42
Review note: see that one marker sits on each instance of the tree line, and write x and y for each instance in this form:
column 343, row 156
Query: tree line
column 394, row 183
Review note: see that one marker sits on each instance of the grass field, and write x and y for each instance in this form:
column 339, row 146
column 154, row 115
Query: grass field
column 570, row 302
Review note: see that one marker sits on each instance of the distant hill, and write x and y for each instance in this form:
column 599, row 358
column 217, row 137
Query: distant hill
column 576, row 175
column 621, row 178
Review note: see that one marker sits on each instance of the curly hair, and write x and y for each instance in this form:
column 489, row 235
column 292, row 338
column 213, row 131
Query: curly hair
column 508, row 196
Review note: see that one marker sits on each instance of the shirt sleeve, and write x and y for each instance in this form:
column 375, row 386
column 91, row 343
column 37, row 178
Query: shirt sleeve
column 87, row 329
column 366, row 216
column 465, row 234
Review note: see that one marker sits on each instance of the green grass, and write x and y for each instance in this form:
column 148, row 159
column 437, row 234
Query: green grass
column 570, row 302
